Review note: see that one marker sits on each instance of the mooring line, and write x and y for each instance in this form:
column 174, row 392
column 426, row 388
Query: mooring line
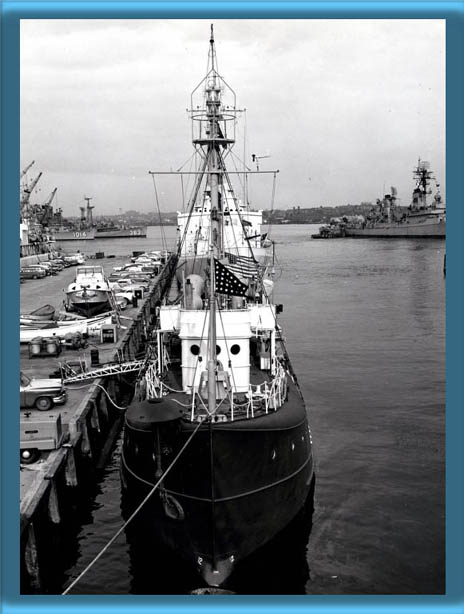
column 104, row 390
column 132, row 516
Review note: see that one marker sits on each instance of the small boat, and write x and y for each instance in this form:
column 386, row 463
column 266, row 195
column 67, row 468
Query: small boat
column 61, row 329
column 46, row 312
column 334, row 230
column 217, row 449
column 90, row 293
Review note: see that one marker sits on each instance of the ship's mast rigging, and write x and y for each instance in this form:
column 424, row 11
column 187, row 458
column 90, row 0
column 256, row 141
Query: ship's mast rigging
column 213, row 101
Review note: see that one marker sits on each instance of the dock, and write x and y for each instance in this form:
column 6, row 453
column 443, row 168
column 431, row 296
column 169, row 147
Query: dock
column 80, row 434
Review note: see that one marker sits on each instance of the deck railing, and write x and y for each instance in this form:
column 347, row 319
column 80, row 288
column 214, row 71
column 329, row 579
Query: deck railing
column 259, row 399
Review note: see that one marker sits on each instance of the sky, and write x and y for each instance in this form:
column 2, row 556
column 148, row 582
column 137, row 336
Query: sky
column 343, row 108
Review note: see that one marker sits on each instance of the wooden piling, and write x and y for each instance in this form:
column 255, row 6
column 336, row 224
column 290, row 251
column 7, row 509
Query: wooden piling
column 53, row 504
column 70, row 467
column 31, row 558
column 94, row 419
column 103, row 406
column 86, row 446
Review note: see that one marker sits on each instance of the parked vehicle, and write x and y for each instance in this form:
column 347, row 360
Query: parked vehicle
column 55, row 268
column 74, row 258
column 42, row 394
column 58, row 264
column 134, row 277
column 41, row 266
column 127, row 284
column 31, row 273
column 141, row 268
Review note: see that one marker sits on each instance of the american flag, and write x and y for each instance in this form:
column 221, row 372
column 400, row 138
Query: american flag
column 226, row 282
column 242, row 265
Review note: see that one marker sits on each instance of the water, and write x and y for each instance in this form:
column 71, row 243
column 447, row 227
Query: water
column 364, row 323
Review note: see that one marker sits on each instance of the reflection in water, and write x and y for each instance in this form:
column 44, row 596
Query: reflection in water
column 280, row 567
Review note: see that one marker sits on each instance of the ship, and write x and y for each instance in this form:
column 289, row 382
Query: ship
column 423, row 218
column 217, row 454
column 82, row 231
column 74, row 234
column 99, row 232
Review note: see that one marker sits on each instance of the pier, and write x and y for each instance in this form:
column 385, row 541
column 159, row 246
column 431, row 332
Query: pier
column 79, row 435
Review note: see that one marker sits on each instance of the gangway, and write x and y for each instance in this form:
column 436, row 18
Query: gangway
column 111, row 369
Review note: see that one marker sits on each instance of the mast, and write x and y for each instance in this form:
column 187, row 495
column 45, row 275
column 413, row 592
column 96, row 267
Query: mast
column 212, row 358
column 213, row 101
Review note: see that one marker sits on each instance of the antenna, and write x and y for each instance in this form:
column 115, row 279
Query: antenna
column 256, row 158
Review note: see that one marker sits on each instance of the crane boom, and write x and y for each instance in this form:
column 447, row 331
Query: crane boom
column 28, row 190
column 50, row 198
column 23, row 172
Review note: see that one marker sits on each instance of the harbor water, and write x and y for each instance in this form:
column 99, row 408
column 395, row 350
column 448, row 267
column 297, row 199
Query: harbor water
column 364, row 322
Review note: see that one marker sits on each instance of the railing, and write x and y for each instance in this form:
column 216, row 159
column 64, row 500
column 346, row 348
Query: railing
column 260, row 398
column 269, row 395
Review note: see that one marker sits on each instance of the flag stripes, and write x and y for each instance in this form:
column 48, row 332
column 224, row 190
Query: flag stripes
column 242, row 265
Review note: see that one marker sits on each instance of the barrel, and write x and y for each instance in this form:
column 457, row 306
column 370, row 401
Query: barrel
column 52, row 346
column 94, row 358
column 35, row 345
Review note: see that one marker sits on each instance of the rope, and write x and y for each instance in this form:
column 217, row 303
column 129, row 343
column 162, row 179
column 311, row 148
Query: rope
column 132, row 516
column 105, row 391
column 163, row 236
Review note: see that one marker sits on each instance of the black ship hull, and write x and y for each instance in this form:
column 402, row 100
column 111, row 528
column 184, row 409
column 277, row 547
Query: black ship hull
column 234, row 488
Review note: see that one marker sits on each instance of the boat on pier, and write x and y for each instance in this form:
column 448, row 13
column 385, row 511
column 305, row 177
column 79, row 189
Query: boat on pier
column 217, row 449
column 90, row 293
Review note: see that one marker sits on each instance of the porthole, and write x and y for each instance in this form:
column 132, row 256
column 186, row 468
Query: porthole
column 235, row 349
column 195, row 349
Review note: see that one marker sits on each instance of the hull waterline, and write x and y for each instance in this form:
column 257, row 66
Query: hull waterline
column 217, row 506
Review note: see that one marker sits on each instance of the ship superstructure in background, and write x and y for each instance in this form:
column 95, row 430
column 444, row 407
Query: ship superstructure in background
column 84, row 230
column 218, row 420
column 87, row 229
column 424, row 217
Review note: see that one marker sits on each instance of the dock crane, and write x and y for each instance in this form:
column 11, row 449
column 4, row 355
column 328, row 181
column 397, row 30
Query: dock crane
column 45, row 212
column 26, row 194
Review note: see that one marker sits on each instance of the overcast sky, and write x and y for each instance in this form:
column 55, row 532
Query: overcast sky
column 343, row 107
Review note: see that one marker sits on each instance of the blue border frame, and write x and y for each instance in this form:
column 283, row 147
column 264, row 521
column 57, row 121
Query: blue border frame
column 11, row 13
